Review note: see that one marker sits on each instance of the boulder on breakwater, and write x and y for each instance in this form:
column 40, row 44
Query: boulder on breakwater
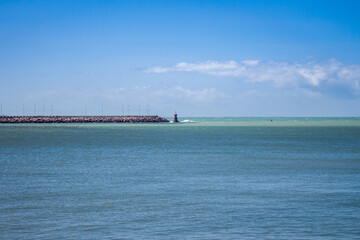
column 82, row 119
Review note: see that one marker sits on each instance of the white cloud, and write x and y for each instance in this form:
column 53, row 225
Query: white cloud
column 250, row 62
column 203, row 95
column 209, row 67
column 251, row 93
column 310, row 74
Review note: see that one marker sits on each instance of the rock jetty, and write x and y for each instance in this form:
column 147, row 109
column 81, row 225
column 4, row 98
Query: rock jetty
column 82, row 119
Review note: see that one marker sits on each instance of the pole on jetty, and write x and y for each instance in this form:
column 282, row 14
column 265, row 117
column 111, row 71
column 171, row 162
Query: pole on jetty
column 1, row 109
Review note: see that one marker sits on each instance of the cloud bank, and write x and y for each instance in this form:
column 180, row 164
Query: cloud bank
column 281, row 74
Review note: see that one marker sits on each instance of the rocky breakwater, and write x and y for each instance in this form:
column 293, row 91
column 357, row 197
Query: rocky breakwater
column 82, row 119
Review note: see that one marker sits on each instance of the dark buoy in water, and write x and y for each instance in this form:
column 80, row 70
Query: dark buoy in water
column 175, row 118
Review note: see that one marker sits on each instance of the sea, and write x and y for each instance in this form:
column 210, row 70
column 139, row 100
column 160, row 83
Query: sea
column 202, row 178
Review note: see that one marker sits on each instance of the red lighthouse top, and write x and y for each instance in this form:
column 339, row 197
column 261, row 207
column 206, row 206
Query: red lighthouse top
column 175, row 118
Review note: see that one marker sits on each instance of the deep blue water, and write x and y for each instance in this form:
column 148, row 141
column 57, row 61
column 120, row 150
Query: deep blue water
column 213, row 179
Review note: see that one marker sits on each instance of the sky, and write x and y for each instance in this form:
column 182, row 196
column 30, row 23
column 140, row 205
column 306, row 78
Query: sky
column 198, row 58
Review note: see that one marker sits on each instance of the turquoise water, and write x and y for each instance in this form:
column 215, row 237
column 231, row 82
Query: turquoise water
column 216, row 178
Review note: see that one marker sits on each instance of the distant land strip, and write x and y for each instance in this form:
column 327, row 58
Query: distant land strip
column 82, row 119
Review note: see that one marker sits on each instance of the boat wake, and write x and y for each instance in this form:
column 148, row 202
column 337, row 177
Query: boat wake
column 187, row 121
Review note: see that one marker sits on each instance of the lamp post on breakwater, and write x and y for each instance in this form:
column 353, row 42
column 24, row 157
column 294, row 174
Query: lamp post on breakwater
column 132, row 110
column 43, row 116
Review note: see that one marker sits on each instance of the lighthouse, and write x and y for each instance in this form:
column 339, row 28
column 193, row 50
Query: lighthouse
column 175, row 118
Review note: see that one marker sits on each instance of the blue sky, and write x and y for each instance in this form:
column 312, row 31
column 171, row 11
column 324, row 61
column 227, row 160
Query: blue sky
column 200, row 58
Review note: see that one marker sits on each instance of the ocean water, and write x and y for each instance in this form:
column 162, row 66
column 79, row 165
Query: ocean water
column 214, row 178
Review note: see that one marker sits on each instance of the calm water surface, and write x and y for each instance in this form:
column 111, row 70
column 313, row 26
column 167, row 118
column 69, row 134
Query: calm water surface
column 217, row 178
